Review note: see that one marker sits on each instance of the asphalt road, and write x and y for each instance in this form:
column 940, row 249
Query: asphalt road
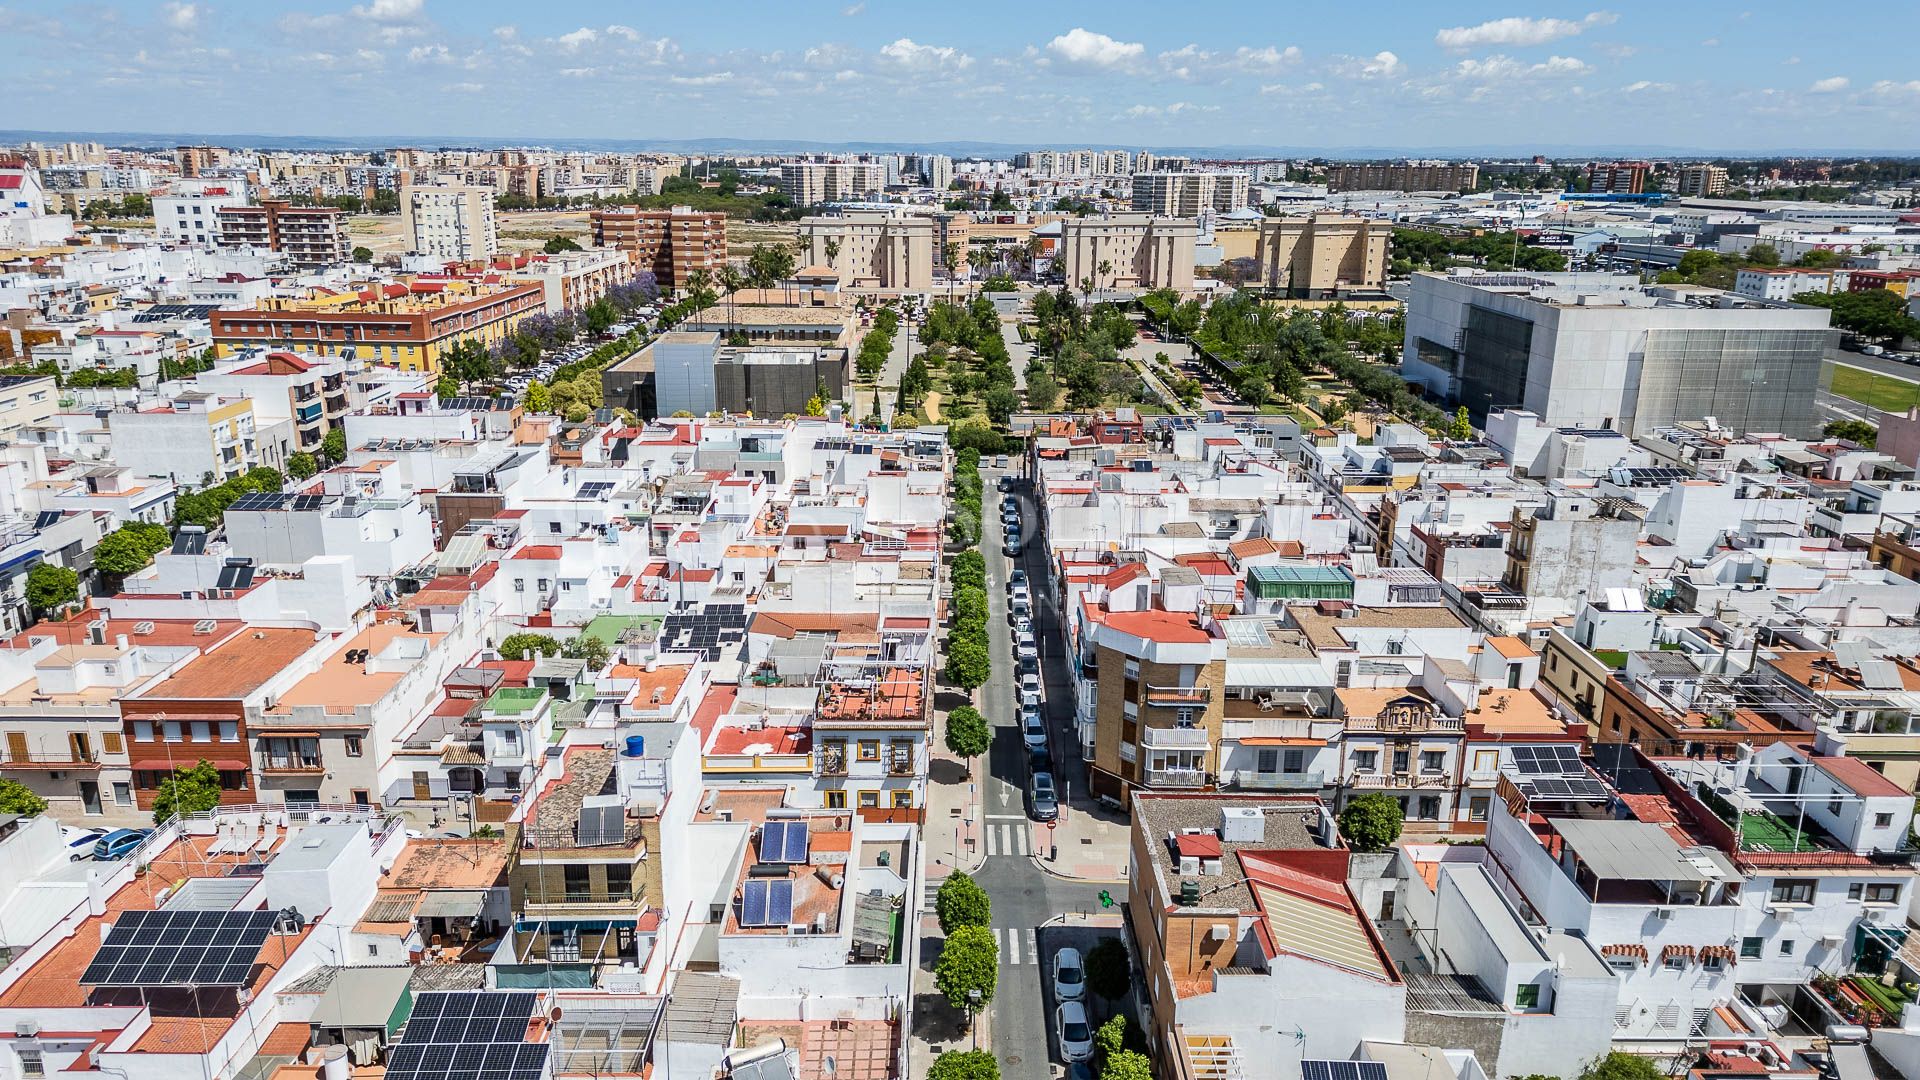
column 1024, row 896
column 1879, row 365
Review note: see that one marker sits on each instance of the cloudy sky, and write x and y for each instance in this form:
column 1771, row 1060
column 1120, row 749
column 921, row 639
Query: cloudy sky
column 1124, row 72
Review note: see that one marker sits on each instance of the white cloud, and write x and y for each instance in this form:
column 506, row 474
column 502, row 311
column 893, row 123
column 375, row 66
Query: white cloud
column 1643, row 86
column 1889, row 88
column 1082, row 46
column 908, row 53
column 1831, row 85
column 711, row 79
column 1381, row 65
column 1268, row 57
column 1518, row 32
column 1790, row 61
column 506, row 33
column 1140, row 112
column 422, row 54
column 1491, row 68
column 627, row 32
column 853, row 9
column 182, row 16
column 1712, row 42
column 574, row 41
column 392, row 11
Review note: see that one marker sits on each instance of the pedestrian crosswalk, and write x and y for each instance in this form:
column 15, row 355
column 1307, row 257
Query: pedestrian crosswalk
column 1009, row 837
column 1017, row 945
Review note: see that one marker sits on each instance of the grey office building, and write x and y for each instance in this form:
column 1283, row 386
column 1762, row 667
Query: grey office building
column 692, row 372
column 1600, row 350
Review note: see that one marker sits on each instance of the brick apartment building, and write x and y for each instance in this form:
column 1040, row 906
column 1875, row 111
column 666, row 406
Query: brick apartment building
column 309, row 236
column 671, row 243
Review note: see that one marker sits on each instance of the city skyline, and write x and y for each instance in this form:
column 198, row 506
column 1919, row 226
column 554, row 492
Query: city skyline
column 1470, row 77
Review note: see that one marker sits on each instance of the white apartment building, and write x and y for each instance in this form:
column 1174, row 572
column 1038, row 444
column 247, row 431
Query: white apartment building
column 1128, row 251
column 1189, row 194
column 1783, row 283
column 810, row 183
column 189, row 214
column 451, row 222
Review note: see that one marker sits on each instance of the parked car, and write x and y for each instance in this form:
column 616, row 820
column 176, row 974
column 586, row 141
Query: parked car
column 1040, row 797
column 1027, row 699
column 1033, row 731
column 1029, row 683
column 116, row 844
column 1076, row 1035
column 1024, row 650
column 1022, row 595
column 80, row 841
column 1018, row 609
column 1017, row 578
column 1069, row 976
column 1000, row 461
column 1029, row 664
column 1022, row 626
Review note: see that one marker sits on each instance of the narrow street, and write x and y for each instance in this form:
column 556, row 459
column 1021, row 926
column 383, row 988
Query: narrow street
column 1024, row 896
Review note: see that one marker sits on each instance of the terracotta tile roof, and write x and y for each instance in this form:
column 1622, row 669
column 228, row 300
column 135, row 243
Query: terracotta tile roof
column 241, row 665
column 1162, row 626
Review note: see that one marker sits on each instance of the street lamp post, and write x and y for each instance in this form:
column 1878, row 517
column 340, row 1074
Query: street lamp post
column 973, row 1015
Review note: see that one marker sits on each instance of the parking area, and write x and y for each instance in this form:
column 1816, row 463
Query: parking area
column 1082, row 937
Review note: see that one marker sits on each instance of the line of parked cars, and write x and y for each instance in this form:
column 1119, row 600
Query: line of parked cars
column 104, row 845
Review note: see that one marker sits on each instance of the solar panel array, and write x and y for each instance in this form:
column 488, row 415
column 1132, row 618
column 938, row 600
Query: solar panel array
column 594, row 489
column 603, row 820
column 165, row 312
column 46, row 518
column 311, row 502
column 180, row 948
column 766, row 902
column 1553, row 787
column 1654, row 477
column 477, row 1035
column 715, row 631
column 260, row 500
column 236, row 574
column 1547, row 761
column 1880, row 675
column 190, row 542
column 783, row 842
column 1342, row 1070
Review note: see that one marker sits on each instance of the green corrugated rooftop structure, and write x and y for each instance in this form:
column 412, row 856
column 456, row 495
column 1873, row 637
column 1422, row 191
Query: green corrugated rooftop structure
column 1300, row 582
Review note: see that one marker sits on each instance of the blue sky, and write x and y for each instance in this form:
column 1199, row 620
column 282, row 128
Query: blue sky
column 1124, row 73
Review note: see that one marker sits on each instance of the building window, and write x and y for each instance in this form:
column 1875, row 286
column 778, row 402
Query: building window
column 1402, row 760
column 1750, row 948
column 619, row 881
column 869, row 800
column 1365, row 760
column 1267, row 761
column 202, row 731
column 1882, row 894
column 869, row 749
column 1486, row 761
column 1526, row 996
column 1793, row 891
column 229, row 731
column 1786, row 947
column 1882, row 821
column 836, row 799
column 171, row 728
column 1622, row 963
column 1477, row 808
column 1433, row 760
column 1429, row 808
column 31, row 1063
column 143, row 730
column 579, row 884
column 355, row 746
column 903, row 799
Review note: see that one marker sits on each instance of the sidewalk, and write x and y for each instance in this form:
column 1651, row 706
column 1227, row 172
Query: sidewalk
column 951, row 838
column 1091, row 841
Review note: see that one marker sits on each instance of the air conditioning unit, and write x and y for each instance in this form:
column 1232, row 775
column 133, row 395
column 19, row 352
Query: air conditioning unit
column 1663, row 914
column 26, row 1029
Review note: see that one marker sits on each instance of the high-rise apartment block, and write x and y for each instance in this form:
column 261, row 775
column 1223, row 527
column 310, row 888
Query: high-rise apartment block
column 1618, row 177
column 1322, row 256
column 810, row 183
column 1129, row 251
column 1189, row 194
column 1703, row 180
column 190, row 212
column 872, row 250
column 451, row 222
column 671, row 243
column 1404, row 176
column 309, row 236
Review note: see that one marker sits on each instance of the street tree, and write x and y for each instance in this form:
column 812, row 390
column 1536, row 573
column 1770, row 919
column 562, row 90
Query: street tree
column 589, row 648
column 1126, row 1065
column 960, row 902
column 18, row 799
column 518, row 646
column 302, row 465
column 968, row 735
column 968, row 665
column 965, row 1065
column 1461, row 428
column 1621, row 1066
column 969, row 964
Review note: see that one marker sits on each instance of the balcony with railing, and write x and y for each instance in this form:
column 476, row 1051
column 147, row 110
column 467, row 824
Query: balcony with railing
column 832, row 760
column 1402, row 780
column 1174, row 738
column 1440, row 725
column 1176, row 778
column 900, row 762
column 1178, row 697
column 57, row 760
column 1255, row 780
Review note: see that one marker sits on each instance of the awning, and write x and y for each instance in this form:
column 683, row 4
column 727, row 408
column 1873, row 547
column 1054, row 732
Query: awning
column 1277, row 674
column 452, row 904
column 186, row 762
column 20, row 558
column 1279, row 740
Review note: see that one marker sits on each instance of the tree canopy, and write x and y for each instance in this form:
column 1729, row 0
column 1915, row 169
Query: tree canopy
column 518, row 646
column 1108, row 972
column 1371, row 822
column 965, row 1065
column 51, row 586
column 1878, row 314
column 18, row 798
column 190, row 790
column 969, row 962
column 960, row 902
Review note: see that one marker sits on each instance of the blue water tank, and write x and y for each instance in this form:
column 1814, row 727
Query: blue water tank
column 636, row 746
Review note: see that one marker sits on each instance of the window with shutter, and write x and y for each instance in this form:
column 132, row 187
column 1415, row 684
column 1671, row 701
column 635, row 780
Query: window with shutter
column 110, row 742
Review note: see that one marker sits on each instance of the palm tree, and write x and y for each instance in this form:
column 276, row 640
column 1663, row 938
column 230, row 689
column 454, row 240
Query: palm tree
column 1105, row 269
column 950, row 258
column 731, row 280
column 833, row 252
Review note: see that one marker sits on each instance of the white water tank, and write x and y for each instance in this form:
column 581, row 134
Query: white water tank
column 334, row 1064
